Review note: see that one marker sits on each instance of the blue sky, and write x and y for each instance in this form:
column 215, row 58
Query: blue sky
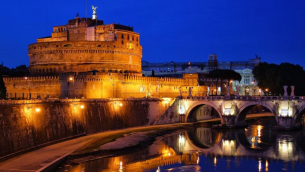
column 180, row 30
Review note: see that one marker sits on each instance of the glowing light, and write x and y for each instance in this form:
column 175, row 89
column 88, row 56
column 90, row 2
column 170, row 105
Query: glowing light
column 25, row 78
column 158, row 170
column 198, row 159
column 71, row 79
column 181, row 139
column 266, row 166
column 215, row 161
column 169, row 154
column 37, row 109
column 121, row 165
column 259, row 129
column 121, row 104
column 259, row 165
column 82, row 106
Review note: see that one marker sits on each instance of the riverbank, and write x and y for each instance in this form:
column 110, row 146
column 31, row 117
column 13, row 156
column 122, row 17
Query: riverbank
column 42, row 158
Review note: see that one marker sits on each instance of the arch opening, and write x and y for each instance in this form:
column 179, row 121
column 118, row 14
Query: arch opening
column 254, row 110
column 300, row 118
column 202, row 112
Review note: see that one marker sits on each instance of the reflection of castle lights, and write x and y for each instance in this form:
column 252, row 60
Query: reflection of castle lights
column 181, row 139
column 259, row 165
column 266, row 166
column 198, row 159
column 215, row 161
column 158, row 170
column 121, row 165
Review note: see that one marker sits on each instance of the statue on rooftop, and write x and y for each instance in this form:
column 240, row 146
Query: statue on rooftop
column 94, row 10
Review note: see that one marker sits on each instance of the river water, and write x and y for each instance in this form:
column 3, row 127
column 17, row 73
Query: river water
column 201, row 148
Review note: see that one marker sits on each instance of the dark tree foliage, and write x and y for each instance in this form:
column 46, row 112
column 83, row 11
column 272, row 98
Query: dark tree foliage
column 224, row 74
column 2, row 87
column 274, row 77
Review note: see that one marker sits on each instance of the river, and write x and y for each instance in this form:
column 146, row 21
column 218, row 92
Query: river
column 201, row 148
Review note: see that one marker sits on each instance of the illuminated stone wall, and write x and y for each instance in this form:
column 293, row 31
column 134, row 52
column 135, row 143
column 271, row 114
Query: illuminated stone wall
column 100, row 85
column 26, row 124
column 83, row 56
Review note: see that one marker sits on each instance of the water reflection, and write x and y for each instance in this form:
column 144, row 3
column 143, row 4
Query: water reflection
column 199, row 148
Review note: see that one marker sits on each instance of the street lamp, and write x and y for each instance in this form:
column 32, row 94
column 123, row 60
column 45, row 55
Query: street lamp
column 26, row 78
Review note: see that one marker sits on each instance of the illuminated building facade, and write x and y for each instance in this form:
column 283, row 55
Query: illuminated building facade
column 247, row 85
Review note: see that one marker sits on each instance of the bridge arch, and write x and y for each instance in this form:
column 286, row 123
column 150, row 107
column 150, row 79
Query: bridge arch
column 194, row 107
column 299, row 115
column 242, row 111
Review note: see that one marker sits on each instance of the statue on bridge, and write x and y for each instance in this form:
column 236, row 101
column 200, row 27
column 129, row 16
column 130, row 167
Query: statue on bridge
column 285, row 91
column 228, row 90
column 292, row 91
column 237, row 91
column 190, row 92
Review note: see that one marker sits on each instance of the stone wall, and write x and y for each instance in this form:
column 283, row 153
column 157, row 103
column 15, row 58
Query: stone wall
column 26, row 124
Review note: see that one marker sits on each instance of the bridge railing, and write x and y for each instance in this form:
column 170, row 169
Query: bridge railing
column 250, row 98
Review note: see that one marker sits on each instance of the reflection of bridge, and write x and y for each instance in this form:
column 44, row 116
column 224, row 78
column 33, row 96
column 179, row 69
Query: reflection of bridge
column 206, row 141
column 288, row 112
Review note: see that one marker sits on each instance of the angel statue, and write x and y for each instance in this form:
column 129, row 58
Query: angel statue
column 94, row 10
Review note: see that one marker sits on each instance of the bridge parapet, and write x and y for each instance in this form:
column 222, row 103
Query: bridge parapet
column 233, row 110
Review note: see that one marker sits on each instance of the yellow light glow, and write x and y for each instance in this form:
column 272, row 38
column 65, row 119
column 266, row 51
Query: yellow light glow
column 37, row 109
column 82, row 106
column 71, row 78
column 267, row 166
column 215, row 161
column 121, row 104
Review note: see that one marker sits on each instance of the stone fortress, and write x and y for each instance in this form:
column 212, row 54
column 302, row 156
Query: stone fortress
column 89, row 59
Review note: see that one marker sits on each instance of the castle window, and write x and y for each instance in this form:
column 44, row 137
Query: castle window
column 99, row 46
column 122, row 36
column 132, row 38
column 67, row 45
column 64, row 29
column 127, row 37
column 55, row 30
column 122, row 43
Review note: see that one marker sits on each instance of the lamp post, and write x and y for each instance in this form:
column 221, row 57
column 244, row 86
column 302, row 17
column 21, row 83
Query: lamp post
column 112, row 79
column 26, row 78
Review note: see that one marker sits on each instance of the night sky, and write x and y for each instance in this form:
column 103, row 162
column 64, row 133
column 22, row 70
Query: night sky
column 180, row 30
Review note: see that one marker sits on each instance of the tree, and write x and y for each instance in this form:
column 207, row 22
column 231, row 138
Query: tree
column 274, row 77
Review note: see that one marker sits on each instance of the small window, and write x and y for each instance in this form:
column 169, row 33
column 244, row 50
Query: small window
column 122, row 36
column 122, row 43
column 67, row 45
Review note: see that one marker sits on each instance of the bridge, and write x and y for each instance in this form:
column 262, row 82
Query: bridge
column 232, row 110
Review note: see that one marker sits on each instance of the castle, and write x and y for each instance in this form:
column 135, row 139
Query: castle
column 89, row 59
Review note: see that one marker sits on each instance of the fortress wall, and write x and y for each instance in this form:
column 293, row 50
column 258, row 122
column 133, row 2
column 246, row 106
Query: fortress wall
column 29, row 123
column 43, row 86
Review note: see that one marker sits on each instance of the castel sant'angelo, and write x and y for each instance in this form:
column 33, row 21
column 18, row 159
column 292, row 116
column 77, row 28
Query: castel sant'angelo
column 89, row 59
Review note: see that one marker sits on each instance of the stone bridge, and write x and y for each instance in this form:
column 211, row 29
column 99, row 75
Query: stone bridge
column 232, row 110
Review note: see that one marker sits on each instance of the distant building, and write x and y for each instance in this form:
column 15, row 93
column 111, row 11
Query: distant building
column 247, row 85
